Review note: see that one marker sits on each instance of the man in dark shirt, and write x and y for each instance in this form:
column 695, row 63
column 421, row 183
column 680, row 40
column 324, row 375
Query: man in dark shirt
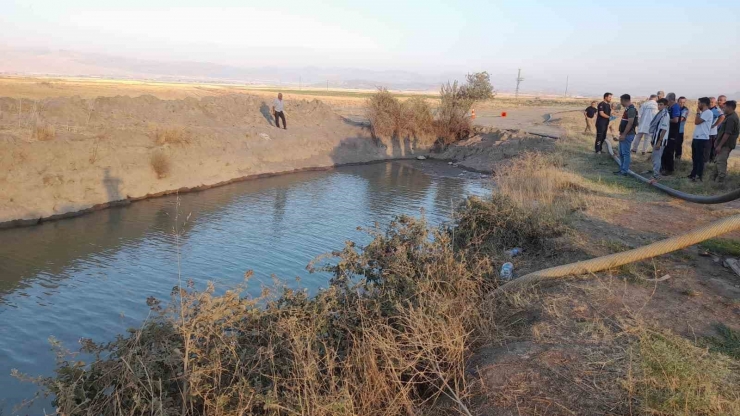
column 589, row 114
column 627, row 127
column 727, row 135
column 604, row 111
column 669, row 153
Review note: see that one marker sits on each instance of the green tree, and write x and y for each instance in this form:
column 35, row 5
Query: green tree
column 478, row 86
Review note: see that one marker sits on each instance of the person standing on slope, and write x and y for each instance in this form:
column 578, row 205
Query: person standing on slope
column 669, row 153
column 681, row 125
column 648, row 110
column 602, row 121
column 589, row 113
column 700, row 141
column 659, row 134
column 626, row 133
column 726, row 139
column 278, row 112
column 719, row 117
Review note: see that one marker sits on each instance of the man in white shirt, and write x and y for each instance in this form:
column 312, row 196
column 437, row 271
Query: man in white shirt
column 277, row 110
column 648, row 110
column 700, row 141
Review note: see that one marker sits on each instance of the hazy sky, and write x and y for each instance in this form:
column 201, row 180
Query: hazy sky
column 621, row 46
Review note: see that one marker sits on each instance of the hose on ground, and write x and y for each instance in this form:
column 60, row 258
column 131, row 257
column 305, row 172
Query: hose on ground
column 678, row 242
column 690, row 238
column 699, row 199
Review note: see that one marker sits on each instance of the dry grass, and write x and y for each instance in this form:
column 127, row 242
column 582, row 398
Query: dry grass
column 169, row 135
column 680, row 378
column 160, row 163
column 391, row 335
column 44, row 132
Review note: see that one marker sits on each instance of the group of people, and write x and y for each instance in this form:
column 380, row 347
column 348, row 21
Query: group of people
column 661, row 121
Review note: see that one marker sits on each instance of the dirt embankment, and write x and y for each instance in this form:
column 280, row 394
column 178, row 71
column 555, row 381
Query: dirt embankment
column 66, row 155
column 489, row 148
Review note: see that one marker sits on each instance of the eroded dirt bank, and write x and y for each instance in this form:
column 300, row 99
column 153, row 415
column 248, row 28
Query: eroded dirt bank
column 66, row 155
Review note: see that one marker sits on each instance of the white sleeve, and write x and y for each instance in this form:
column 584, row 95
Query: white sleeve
column 708, row 117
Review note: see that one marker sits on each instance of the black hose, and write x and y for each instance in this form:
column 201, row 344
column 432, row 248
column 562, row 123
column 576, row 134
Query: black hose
column 699, row 199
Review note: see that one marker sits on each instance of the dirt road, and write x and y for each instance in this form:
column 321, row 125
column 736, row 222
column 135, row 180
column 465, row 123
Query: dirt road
column 530, row 119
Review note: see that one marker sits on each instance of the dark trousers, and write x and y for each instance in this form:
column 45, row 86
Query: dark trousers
column 709, row 149
column 278, row 116
column 697, row 156
column 601, row 130
column 666, row 161
column 679, row 145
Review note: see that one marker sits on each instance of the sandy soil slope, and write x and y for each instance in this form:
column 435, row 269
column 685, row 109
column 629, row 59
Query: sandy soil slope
column 102, row 149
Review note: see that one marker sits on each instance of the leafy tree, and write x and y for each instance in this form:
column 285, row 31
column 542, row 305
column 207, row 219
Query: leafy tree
column 478, row 87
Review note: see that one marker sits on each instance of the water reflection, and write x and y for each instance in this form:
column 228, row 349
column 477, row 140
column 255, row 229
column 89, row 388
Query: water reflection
column 89, row 276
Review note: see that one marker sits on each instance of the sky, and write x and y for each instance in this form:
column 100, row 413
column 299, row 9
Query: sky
column 626, row 46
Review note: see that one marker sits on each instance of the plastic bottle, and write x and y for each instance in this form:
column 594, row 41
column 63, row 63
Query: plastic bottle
column 507, row 271
column 514, row 252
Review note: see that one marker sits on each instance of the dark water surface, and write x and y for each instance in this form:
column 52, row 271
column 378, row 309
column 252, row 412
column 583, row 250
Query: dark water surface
column 90, row 276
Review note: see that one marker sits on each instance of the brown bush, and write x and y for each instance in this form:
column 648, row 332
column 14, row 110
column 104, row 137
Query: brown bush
column 385, row 114
column 390, row 336
column 161, row 164
column 419, row 120
column 452, row 121
column 44, row 132
column 169, row 135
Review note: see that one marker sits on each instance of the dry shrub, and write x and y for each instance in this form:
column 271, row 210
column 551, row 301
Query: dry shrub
column 536, row 178
column 44, row 132
column 500, row 223
column 452, row 122
column 384, row 113
column 169, row 135
column 391, row 118
column 160, row 163
column 389, row 336
column 419, row 119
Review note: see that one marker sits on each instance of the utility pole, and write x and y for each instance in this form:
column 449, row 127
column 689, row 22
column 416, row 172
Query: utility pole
column 299, row 83
column 566, row 85
column 327, row 85
column 518, row 80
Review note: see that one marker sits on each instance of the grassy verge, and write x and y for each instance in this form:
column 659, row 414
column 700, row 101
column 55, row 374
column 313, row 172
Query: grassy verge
column 580, row 149
column 722, row 246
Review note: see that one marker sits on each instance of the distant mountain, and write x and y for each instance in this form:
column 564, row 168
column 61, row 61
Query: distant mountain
column 70, row 63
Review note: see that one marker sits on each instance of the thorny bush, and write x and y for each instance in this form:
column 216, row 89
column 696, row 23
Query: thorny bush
column 390, row 335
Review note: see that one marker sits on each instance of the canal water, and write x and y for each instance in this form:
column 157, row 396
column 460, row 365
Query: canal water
column 90, row 276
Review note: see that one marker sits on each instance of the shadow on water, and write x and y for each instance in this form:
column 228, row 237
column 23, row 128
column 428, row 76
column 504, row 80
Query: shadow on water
column 265, row 110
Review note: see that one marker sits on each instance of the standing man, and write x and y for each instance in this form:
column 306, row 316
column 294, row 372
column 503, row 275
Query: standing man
column 703, row 121
column 681, row 125
column 648, row 110
column 277, row 110
column 602, row 121
column 674, row 111
column 659, row 134
column 719, row 117
column 589, row 113
column 626, row 133
column 726, row 139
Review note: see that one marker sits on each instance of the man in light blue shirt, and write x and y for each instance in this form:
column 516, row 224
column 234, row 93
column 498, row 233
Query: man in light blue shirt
column 682, row 121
